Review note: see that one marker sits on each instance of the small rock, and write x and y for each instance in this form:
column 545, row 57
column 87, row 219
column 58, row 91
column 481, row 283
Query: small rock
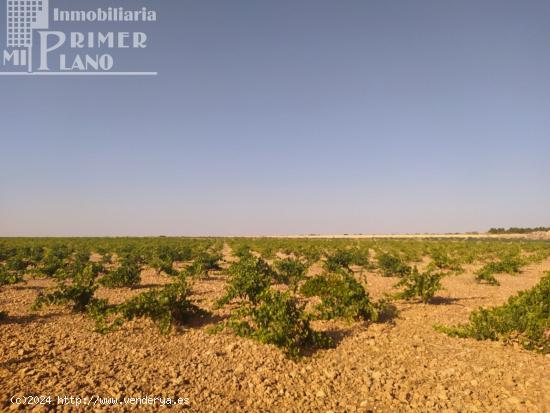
column 331, row 374
column 514, row 400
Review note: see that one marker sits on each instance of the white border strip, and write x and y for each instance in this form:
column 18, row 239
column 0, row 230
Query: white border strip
column 79, row 74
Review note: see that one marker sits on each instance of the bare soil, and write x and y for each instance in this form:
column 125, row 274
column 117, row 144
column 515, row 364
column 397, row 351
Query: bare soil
column 405, row 366
column 538, row 235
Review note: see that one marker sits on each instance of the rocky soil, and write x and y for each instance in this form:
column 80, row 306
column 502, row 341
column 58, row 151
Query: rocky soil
column 403, row 366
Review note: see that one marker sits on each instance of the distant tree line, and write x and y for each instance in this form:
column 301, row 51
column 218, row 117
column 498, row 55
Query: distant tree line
column 515, row 230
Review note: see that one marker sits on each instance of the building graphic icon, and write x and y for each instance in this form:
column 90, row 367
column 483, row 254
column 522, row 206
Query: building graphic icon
column 23, row 16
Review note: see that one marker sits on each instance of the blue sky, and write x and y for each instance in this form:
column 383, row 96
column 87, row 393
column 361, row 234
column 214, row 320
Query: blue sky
column 291, row 117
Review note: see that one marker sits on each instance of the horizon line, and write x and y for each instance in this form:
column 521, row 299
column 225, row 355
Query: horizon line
column 309, row 235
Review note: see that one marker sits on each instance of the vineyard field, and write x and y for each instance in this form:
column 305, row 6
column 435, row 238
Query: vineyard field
column 278, row 324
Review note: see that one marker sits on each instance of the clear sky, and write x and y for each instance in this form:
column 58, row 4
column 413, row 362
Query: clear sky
column 291, row 117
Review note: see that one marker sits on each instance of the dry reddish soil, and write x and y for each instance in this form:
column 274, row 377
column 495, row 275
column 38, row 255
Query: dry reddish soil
column 393, row 367
column 538, row 235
